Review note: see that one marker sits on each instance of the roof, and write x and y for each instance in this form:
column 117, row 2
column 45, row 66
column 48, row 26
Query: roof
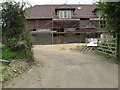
column 47, row 11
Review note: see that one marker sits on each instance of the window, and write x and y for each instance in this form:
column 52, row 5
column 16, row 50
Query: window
column 102, row 24
column 64, row 14
column 60, row 14
column 69, row 14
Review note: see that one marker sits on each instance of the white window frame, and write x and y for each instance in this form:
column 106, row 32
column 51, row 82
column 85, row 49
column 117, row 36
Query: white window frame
column 62, row 14
column 69, row 15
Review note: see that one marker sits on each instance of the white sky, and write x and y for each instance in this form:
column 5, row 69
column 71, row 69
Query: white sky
column 39, row 2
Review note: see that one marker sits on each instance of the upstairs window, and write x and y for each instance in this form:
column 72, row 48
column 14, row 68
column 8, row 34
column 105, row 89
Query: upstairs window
column 64, row 14
column 103, row 24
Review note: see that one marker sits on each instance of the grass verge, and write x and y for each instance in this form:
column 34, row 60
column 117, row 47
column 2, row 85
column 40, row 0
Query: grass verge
column 14, row 69
column 93, row 51
column 8, row 54
column 20, row 61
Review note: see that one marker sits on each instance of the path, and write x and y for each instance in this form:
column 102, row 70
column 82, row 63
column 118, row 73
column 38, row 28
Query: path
column 59, row 68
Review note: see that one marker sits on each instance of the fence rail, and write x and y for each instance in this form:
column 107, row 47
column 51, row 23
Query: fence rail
column 107, row 46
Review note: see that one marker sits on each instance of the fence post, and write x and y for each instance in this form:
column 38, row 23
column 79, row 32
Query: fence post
column 118, row 45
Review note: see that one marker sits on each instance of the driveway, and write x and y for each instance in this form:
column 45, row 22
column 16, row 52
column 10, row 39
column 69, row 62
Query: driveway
column 63, row 68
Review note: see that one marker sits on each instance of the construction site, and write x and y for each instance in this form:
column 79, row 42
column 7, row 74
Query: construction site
column 71, row 48
column 62, row 24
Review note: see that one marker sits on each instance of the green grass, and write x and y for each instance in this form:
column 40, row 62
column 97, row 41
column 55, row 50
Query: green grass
column 101, row 54
column 8, row 54
column 7, row 70
column 5, row 76
column 115, row 60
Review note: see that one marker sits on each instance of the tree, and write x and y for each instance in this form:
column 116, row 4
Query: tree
column 110, row 12
column 15, row 34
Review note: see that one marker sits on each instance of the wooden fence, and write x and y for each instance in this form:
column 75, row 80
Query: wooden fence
column 107, row 46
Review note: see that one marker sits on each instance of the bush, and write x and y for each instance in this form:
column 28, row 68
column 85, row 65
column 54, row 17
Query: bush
column 9, row 54
column 16, row 37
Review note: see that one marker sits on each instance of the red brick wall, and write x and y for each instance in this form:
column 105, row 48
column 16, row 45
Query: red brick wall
column 68, row 24
column 46, row 24
column 39, row 24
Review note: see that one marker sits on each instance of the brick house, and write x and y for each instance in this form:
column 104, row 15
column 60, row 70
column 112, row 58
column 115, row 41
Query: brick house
column 80, row 19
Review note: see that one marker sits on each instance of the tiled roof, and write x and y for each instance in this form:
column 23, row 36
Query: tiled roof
column 47, row 11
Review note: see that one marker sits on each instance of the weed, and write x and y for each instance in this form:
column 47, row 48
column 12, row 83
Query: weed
column 8, row 54
column 6, row 77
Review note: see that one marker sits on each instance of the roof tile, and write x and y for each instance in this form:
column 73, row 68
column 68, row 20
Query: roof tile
column 47, row 11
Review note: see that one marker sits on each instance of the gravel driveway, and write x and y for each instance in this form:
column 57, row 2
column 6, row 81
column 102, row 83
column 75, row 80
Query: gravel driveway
column 58, row 68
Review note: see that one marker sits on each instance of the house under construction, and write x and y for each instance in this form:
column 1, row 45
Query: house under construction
column 58, row 24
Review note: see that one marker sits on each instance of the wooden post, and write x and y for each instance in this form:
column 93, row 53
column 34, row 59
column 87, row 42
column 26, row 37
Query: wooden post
column 5, row 61
column 118, row 44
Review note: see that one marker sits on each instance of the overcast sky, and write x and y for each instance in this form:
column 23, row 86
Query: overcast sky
column 39, row 2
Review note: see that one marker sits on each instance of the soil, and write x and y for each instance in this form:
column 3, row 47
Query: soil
column 15, row 69
column 57, row 66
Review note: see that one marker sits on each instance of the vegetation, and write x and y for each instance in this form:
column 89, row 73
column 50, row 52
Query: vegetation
column 8, row 54
column 16, row 40
column 16, row 37
column 14, row 69
column 110, row 12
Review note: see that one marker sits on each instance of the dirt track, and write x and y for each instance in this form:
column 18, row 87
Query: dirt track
column 58, row 67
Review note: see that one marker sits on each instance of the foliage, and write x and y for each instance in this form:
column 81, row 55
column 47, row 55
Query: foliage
column 110, row 12
column 8, row 53
column 16, row 38
column 14, row 69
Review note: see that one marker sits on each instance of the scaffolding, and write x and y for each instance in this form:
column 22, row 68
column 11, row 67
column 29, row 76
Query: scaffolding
column 58, row 36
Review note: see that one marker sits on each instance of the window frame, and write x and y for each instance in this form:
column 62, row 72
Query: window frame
column 65, row 13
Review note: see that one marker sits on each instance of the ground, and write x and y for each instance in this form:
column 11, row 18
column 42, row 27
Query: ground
column 59, row 67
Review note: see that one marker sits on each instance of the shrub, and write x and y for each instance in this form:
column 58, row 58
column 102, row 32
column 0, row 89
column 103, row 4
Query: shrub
column 16, row 38
column 9, row 54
